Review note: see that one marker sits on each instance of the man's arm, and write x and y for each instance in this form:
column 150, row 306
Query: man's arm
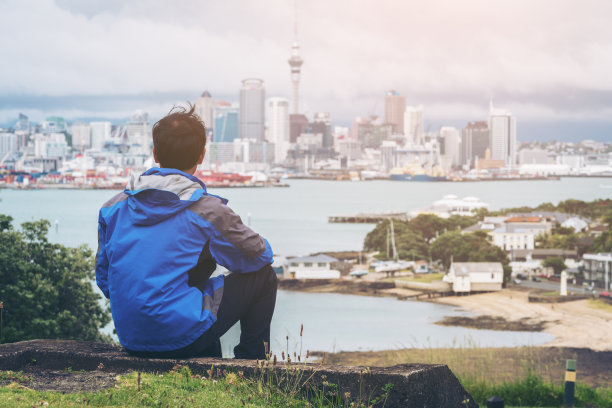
column 233, row 244
column 102, row 259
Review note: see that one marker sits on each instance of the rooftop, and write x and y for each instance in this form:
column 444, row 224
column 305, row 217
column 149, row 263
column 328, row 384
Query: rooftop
column 314, row 258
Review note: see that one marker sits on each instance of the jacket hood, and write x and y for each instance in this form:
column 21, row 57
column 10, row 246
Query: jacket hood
column 158, row 194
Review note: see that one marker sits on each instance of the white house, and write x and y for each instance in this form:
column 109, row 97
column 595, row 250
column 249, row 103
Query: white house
column 576, row 223
column 517, row 239
column 312, row 267
column 466, row 277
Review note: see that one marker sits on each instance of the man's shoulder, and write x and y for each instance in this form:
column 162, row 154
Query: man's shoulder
column 208, row 205
column 117, row 198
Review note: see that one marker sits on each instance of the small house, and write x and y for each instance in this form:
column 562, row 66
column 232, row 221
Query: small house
column 466, row 277
column 312, row 267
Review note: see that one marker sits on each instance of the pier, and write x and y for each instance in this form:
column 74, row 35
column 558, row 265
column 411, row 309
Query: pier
column 364, row 218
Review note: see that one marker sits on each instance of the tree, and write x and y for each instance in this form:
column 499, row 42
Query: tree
column 46, row 288
column 555, row 262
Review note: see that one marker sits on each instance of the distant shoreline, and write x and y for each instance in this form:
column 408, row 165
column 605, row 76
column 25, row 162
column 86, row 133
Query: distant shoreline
column 573, row 324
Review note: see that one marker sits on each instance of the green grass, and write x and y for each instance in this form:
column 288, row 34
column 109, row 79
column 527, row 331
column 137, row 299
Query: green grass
column 533, row 391
column 180, row 388
column 551, row 293
column 600, row 304
column 173, row 389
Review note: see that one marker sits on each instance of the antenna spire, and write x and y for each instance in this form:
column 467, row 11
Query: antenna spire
column 295, row 21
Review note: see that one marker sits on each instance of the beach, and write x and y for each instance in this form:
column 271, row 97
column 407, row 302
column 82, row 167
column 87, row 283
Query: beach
column 574, row 324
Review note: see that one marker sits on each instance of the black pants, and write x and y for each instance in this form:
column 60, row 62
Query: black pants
column 247, row 297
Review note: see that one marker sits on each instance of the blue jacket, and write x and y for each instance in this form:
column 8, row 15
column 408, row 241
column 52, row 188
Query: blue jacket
column 149, row 237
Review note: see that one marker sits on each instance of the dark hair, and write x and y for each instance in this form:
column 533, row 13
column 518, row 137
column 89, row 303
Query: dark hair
column 179, row 138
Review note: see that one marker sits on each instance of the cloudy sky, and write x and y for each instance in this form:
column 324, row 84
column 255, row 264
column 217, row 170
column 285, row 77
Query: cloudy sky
column 548, row 61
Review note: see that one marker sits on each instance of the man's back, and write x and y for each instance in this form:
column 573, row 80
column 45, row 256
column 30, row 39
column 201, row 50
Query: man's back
column 151, row 236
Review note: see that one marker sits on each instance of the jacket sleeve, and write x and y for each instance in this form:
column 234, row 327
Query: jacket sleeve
column 101, row 258
column 236, row 246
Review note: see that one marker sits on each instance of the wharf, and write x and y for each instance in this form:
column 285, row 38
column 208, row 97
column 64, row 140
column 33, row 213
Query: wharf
column 363, row 218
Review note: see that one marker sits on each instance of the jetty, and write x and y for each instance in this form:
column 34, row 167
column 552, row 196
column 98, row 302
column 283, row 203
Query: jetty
column 365, row 218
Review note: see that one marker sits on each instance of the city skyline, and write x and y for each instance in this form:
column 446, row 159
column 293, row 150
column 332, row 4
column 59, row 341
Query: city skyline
column 563, row 92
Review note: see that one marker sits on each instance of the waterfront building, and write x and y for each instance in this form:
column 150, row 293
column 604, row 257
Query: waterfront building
column 138, row 133
column 534, row 156
column 502, row 125
column 225, row 129
column 544, row 170
column 451, row 147
column 349, row 149
column 253, row 151
column 426, row 156
column 204, row 107
column 395, row 107
column 53, row 124
column 597, row 269
column 218, row 153
column 387, row 155
column 81, row 136
column 8, row 144
column 278, row 127
column 100, row 133
column 474, row 142
column 23, row 124
column 312, row 267
column 50, row 145
column 340, row 133
column 575, row 160
column 252, row 109
column 298, row 124
column 322, row 124
column 310, row 141
column 413, row 124
column 466, row 277
column 370, row 132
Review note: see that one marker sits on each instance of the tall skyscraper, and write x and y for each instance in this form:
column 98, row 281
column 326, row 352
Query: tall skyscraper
column 8, row 143
column 278, row 127
column 502, row 126
column 395, row 106
column 100, row 133
column 252, row 109
column 226, row 124
column 204, row 108
column 23, row 124
column 452, row 144
column 139, row 133
column 322, row 124
column 413, row 124
column 474, row 142
column 81, row 136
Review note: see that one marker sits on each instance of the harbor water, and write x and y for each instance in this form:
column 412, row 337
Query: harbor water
column 294, row 220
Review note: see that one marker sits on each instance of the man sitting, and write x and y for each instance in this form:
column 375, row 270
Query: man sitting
column 160, row 240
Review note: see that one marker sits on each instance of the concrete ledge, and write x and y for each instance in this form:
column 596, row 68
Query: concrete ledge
column 414, row 385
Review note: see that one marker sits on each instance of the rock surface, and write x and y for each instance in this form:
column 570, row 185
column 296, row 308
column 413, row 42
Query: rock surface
column 414, row 385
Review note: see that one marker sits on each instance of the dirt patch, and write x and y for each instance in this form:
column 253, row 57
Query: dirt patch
column 61, row 381
column 493, row 323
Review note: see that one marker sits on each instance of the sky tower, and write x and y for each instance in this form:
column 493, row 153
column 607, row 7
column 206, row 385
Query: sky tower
column 295, row 62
